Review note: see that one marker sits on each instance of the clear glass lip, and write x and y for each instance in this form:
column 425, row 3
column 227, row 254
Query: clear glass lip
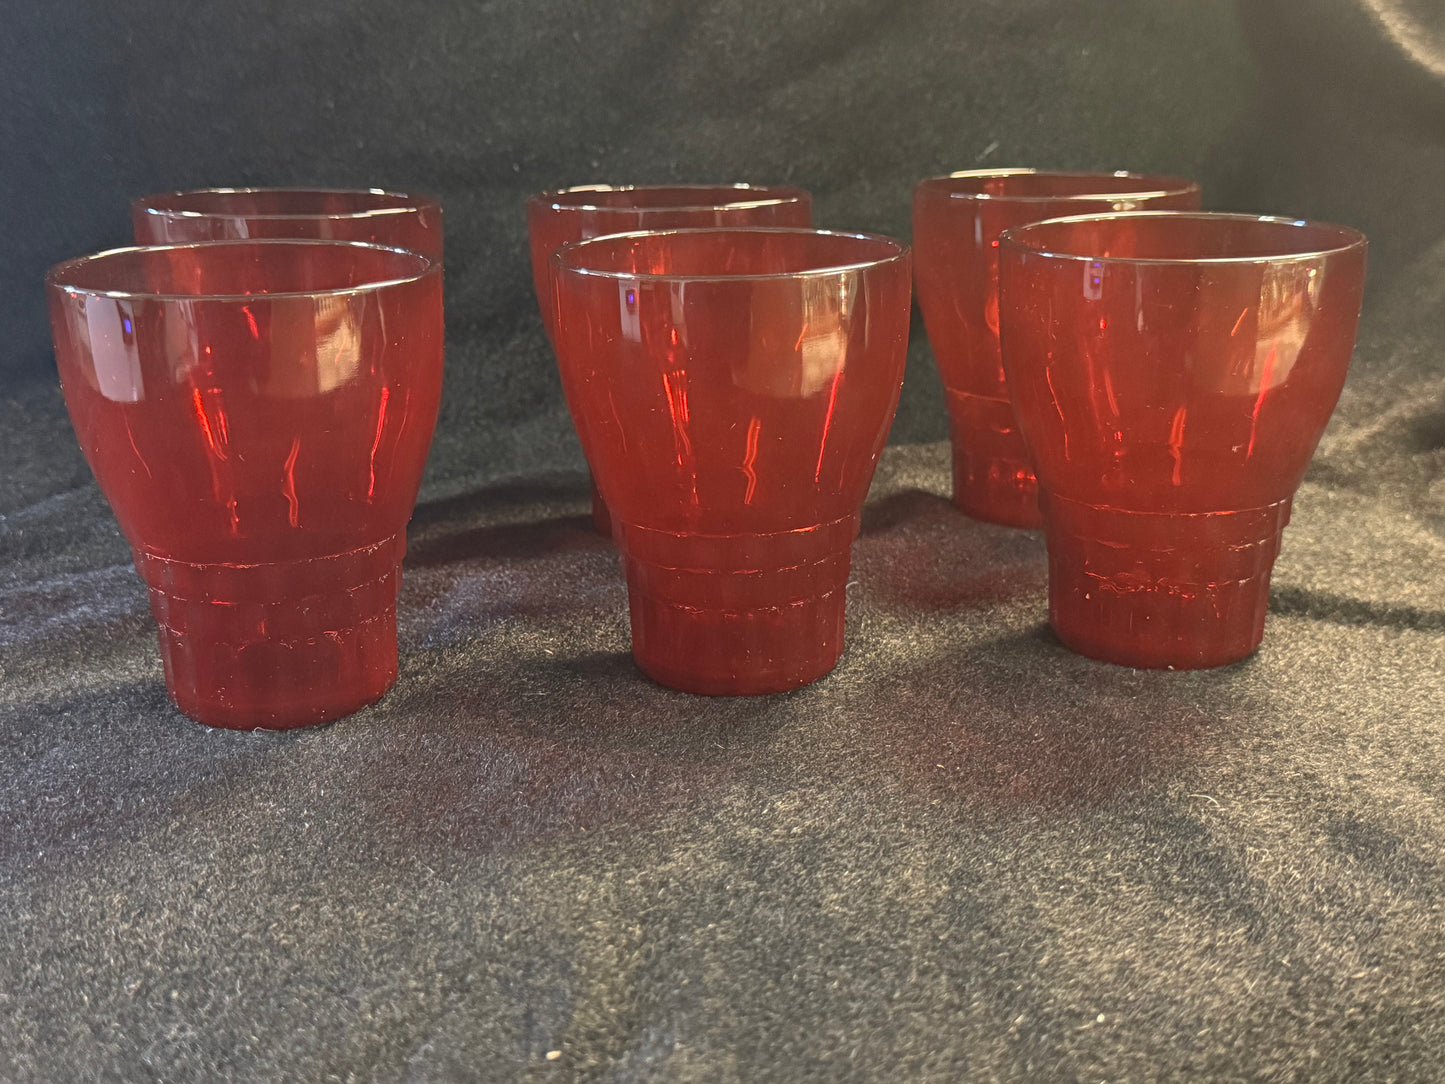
column 1145, row 185
column 566, row 257
column 582, row 197
column 1031, row 238
column 67, row 274
column 190, row 203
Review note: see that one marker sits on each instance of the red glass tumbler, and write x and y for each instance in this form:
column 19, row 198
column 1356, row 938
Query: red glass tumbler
column 258, row 413
column 732, row 390
column 956, row 223
column 372, row 215
column 576, row 214
column 1172, row 374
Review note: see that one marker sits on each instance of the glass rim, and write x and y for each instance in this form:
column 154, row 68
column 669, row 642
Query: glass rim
column 766, row 195
column 1351, row 239
column 407, row 203
column 1165, row 184
column 558, row 258
column 55, row 277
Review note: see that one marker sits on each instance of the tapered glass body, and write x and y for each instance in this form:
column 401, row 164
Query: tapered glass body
column 577, row 214
column 258, row 415
column 1172, row 374
column 956, row 223
column 733, row 390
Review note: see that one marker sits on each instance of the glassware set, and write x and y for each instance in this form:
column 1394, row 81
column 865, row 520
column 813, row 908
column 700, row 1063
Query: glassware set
column 256, row 385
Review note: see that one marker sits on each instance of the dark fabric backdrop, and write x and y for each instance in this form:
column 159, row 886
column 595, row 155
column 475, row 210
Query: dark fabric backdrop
column 968, row 853
column 1329, row 108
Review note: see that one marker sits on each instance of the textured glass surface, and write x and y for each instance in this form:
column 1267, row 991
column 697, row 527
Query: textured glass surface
column 576, row 214
column 257, row 415
column 330, row 214
column 732, row 389
column 1172, row 375
column 956, row 223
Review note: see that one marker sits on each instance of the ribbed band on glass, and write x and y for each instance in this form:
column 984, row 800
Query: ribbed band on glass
column 992, row 478
column 728, row 615
column 277, row 645
column 1160, row 590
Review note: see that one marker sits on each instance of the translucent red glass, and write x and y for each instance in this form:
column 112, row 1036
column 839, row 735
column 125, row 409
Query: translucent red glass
column 258, row 414
column 1172, row 374
column 733, row 389
column 956, row 223
column 576, row 214
column 332, row 214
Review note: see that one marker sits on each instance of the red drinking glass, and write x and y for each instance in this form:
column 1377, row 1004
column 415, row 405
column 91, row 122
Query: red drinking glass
column 956, row 223
column 394, row 219
column 733, row 389
column 1172, row 374
column 576, row 214
column 258, row 413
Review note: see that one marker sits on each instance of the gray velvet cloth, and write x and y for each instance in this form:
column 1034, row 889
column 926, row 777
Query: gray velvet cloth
column 966, row 854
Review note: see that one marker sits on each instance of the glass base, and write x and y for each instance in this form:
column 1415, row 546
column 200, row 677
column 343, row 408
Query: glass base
column 737, row 615
column 1161, row 590
column 279, row 645
column 992, row 478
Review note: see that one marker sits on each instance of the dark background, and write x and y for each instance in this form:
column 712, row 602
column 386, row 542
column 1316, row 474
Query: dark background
column 1302, row 107
column 968, row 853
